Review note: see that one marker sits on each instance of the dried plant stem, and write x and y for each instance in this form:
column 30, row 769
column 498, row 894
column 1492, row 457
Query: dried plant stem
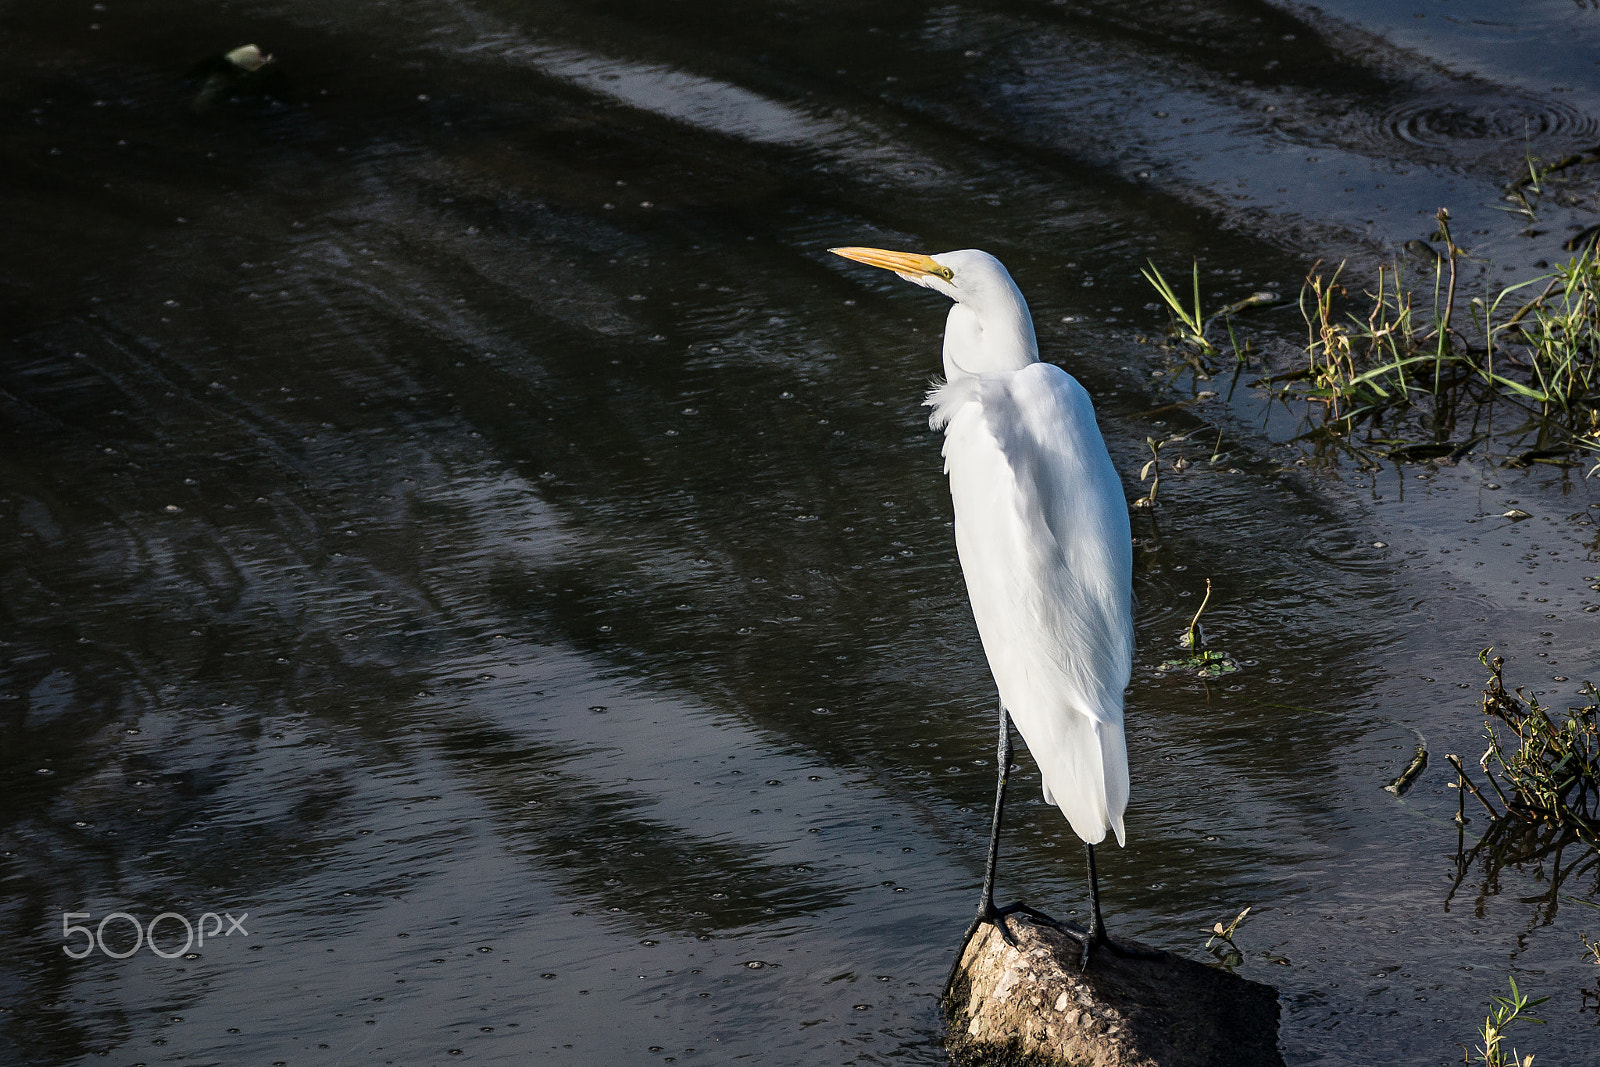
column 1455, row 761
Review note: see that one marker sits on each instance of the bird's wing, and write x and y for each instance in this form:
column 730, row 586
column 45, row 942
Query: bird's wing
column 1042, row 532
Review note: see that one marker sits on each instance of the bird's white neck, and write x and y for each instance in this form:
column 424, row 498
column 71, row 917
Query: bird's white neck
column 996, row 336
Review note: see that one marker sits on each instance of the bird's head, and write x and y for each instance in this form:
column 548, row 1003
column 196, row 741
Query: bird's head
column 989, row 328
column 967, row 277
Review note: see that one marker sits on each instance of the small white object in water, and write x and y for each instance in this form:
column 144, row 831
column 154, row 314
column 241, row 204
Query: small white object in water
column 248, row 58
column 1516, row 515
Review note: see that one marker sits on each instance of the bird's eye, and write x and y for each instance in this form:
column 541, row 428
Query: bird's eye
column 945, row 272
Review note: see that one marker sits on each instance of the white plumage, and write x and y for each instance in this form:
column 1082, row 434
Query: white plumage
column 1042, row 531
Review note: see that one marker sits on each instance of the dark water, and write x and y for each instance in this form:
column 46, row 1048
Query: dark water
column 456, row 513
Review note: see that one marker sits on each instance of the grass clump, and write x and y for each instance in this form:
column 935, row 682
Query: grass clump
column 1419, row 369
column 1188, row 325
column 1546, row 776
column 1546, row 771
column 1191, row 328
column 1507, row 1010
column 1421, row 364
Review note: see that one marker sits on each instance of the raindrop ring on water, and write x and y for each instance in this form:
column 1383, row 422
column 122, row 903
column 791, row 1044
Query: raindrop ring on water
column 1485, row 119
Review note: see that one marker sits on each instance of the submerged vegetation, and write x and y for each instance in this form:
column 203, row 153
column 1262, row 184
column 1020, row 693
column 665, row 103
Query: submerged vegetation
column 1547, row 772
column 1416, row 368
column 1203, row 662
column 1220, row 943
column 1546, row 776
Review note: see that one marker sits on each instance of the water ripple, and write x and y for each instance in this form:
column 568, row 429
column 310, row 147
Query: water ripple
column 1483, row 121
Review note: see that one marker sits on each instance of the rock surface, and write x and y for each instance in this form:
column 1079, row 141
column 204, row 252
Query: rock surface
column 1030, row 1006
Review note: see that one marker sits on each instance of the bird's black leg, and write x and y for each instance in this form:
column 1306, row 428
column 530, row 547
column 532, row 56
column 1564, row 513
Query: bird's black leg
column 1097, row 924
column 1003, row 754
column 987, row 911
column 1096, row 935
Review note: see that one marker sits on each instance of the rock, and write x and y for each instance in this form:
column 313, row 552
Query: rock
column 1030, row 1006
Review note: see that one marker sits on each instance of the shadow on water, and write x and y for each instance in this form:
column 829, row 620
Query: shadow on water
column 452, row 508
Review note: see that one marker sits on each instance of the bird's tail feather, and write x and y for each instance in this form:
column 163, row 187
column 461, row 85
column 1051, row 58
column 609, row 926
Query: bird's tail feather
column 1086, row 776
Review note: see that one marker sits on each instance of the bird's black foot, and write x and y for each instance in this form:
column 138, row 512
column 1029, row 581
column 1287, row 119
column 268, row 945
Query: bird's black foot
column 996, row 917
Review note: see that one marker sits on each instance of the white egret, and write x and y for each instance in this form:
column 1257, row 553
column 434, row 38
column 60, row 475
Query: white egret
column 1042, row 532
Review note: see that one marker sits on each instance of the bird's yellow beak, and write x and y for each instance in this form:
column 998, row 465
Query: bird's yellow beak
column 913, row 263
